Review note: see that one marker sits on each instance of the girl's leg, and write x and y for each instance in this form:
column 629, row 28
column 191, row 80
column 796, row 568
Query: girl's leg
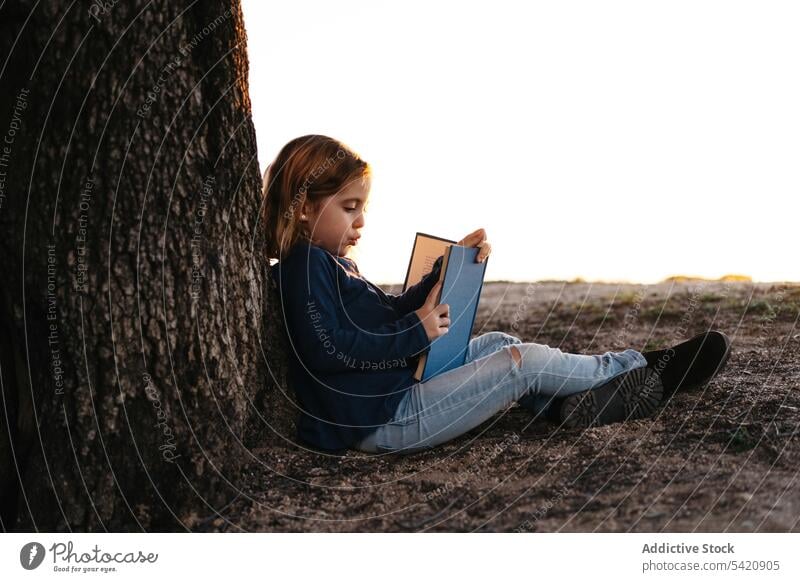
column 488, row 343
column 452, row 403
column 492, row 341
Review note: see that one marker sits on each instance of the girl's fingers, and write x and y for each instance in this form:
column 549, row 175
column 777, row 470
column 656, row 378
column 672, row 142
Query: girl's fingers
column 473, row 238
column 486, row 248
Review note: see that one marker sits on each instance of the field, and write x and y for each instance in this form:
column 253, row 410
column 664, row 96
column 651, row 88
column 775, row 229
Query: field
column 724, row 458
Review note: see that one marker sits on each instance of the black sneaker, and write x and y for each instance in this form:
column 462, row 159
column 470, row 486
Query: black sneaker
column 631, row 395
column 690, row 364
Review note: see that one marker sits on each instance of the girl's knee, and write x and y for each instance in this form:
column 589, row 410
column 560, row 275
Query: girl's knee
column 506, row 338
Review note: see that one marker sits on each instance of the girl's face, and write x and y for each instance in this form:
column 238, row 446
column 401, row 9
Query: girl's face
column 335, row 222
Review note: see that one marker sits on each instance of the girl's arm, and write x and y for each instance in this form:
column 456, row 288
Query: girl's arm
column 413, row 297
column 320, row 340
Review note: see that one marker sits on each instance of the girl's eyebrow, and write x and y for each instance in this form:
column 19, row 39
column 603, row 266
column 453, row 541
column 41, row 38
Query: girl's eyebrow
column 353, row 200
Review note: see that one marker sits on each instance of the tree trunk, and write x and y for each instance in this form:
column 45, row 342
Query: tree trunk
column 134, row 285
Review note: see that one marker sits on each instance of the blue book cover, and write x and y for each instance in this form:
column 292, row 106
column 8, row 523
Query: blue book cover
column 462, row 281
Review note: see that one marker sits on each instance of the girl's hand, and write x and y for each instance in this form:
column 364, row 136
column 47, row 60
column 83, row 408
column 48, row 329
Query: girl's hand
column 477, row 239
column 435, row 318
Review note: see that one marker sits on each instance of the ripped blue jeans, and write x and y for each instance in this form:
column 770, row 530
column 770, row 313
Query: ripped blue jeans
column 454, row 402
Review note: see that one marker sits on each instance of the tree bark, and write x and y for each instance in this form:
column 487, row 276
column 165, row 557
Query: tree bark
column 133, row 298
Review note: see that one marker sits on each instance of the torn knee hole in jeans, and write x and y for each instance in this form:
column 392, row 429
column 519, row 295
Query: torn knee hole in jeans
column 516, row 355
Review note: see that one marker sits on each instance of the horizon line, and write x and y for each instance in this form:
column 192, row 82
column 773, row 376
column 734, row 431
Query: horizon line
column 581, row 280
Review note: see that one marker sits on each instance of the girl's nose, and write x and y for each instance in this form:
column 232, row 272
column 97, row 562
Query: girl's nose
column 359, row 222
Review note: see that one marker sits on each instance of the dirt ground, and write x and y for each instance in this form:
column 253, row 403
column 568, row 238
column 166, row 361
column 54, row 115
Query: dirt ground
column 724, row 458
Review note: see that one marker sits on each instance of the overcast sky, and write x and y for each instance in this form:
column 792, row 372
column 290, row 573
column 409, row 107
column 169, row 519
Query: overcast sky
column 624, row 141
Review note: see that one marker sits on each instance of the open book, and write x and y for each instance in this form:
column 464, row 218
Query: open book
column 462, row 281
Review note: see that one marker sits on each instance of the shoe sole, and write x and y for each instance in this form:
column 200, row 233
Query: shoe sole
column 623, row 398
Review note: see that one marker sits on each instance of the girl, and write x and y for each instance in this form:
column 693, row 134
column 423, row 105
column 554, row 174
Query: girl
column 354, row 347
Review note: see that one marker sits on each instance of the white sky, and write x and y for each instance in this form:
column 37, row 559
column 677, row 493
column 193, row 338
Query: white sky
column 624, row 141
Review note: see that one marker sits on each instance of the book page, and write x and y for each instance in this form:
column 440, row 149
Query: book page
column 427, row 249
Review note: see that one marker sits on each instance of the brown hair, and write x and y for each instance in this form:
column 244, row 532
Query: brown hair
column 310, row 167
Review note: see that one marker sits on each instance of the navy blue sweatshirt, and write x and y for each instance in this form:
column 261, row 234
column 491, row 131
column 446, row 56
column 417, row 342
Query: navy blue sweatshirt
column 353, row 348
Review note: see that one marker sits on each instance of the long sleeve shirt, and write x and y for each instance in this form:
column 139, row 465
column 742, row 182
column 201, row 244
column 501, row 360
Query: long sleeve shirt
column 354, row 348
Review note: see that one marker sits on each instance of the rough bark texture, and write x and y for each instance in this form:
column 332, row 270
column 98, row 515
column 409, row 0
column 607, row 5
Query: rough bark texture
column 133, row 346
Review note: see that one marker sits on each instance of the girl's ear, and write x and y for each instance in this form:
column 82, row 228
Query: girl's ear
column 306, row 209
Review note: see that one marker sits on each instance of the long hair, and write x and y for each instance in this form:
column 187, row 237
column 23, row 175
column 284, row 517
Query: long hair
column 308, row 168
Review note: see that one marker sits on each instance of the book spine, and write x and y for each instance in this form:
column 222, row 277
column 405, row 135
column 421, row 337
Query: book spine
column 423, row 359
